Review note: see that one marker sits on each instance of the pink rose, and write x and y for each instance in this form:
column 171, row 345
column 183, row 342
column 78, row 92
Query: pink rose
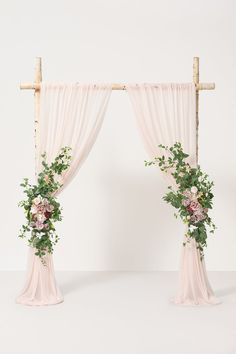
column 39, row 225
column 49, row 208
column 199, row 215
column 187, row 194
column 186, row 202
column 194, row 206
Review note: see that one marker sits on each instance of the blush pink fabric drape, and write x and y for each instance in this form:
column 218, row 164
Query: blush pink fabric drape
column 70, row 115
column 194, row 287
column 165, row 114
column 40, row 287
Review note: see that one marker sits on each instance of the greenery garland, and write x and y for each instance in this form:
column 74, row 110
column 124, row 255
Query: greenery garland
column 192, row 196
column 41, row 206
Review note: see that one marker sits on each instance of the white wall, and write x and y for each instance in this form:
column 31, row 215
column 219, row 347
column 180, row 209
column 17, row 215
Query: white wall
column 114, row 218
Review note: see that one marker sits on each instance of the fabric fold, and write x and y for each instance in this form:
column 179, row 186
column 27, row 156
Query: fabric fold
column 41, row 287
column 70, row 115
column 165, row 114
column 193, row 285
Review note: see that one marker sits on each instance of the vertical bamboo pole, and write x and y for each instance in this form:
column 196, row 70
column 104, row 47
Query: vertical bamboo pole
column 37, row 80
column 196, row 82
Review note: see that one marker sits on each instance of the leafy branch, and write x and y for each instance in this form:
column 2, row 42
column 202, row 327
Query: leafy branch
column 41, row 207
column 192, row 196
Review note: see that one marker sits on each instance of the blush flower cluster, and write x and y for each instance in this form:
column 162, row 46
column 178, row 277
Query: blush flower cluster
column 41, row 211
column 193, row 206
column 41, row 207
column 190, row 193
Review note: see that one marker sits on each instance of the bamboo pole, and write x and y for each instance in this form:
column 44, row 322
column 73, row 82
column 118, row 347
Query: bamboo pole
column 196, row 82
column 116, row 86
column 37, row 82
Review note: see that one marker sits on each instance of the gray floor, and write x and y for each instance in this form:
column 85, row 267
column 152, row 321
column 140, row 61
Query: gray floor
column 118, row 313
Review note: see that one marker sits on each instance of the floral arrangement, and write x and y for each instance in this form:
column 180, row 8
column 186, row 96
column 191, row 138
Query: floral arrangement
column 192, row 194
column 41, row 206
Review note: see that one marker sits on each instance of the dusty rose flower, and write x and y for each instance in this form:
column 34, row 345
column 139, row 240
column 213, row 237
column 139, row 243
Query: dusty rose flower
column 193, row 218
column 187, row 194
column 194, row 206
column 39, row 225
column 199, row 215
column 49, row 208
column 186, row 202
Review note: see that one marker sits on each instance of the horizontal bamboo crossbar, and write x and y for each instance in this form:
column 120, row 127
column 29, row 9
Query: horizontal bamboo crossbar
column 36, row 86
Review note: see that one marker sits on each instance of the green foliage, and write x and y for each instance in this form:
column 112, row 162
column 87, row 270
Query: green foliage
column 191, row 193
column 41, row 207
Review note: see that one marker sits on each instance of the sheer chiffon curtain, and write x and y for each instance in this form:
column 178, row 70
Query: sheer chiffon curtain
column 165, row 114
column 70, row 115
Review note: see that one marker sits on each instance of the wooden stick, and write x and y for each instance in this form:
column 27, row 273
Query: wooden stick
column 36, row 86
column 37, row 81
column 196, row 82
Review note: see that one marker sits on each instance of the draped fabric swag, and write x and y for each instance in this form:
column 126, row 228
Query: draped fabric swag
column 166, row 113
column 70, row 115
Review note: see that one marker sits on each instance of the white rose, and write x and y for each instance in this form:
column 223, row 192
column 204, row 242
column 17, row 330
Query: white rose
column 34, row 209
column 37, row 200
column 194, row 190
column 41, row 217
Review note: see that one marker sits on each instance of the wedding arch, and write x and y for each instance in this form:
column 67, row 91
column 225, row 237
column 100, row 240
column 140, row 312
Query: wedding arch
column 72, row 115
